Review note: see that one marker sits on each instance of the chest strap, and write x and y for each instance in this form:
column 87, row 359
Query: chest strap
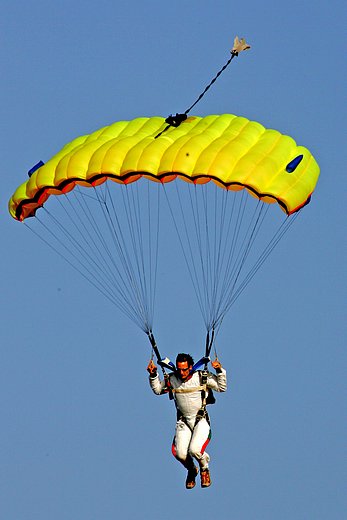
column 189, row 390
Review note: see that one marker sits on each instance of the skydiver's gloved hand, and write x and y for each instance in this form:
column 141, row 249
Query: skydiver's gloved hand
column 152, row 369
column 217, row 365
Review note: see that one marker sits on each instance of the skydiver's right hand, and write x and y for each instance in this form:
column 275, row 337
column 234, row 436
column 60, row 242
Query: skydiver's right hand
column 151, row 368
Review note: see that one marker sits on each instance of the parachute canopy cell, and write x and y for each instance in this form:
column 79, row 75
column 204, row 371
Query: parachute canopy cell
column 231, row 151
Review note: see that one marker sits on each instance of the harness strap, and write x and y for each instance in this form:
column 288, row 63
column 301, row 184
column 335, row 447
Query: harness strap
column 189, row 390
column 167, row 386
column 202, row 414
column 203, row 381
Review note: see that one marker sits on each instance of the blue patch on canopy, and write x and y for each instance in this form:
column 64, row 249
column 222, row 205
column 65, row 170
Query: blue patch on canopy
column 294, row 163
column 34, row 168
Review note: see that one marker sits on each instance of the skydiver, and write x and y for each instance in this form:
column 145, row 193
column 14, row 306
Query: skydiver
column 191, row 392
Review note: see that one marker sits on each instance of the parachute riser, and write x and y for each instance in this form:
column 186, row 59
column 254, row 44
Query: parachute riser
column 167, row 387
column 155, row 349
column 208, row 346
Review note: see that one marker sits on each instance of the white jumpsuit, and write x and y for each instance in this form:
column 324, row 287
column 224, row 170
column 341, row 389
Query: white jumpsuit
column 191, row 438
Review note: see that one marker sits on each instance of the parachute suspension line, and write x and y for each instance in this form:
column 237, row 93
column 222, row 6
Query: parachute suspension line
column 229, row 252
column 218, row 256
column 190, row 264
column 231, row 279
column 153, row 248
column 121, row 293
column 100, row 254
column 225, row 256
column 201, row 225
column 141, row 290
column 217, row 248
column 215, row 256
column 209, row 238
column 175, row 121
column 230, row 271
column 88, row 274
column 222, row 257
column 153, row 251
column 128, row 278
column 284, row 227
column 131, row 200
column 82, row 246
column 206, row 263
column 119, row 281
column 100, row 257
column 59, row 253
column 134, row 262
column 117, row 262
column 202, row 268
column 217, row 232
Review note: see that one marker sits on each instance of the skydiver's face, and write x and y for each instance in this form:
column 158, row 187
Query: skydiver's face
column 184, row 369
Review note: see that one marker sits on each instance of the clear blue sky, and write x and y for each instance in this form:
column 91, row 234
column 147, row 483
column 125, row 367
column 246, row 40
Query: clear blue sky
column 82, row 437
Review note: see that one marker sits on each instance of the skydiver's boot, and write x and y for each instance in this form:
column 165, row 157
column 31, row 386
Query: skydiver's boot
column 190, row 480
column 205, row 477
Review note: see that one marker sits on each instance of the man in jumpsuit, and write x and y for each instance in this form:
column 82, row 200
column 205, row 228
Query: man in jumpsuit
column 193, row 432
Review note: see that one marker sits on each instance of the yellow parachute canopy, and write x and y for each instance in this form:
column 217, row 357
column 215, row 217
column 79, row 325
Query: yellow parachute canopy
column 231, row 151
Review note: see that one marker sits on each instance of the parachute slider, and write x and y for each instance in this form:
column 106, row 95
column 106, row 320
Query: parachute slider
column 166, row 363
column 173, row 121
column 239, row 46
column 203, row 361
column 176, row 120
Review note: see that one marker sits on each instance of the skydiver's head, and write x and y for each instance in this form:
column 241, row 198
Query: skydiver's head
column 184, row 364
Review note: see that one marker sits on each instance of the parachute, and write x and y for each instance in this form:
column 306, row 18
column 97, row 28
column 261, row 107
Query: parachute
column 218, row 175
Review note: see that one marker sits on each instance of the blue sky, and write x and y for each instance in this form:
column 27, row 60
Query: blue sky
column 82, row 437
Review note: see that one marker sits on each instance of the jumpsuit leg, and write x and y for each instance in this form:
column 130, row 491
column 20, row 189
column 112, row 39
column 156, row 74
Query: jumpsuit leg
column 180, row 446
column 199, row 440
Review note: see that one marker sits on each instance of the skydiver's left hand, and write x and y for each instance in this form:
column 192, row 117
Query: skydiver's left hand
column 217, row 365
